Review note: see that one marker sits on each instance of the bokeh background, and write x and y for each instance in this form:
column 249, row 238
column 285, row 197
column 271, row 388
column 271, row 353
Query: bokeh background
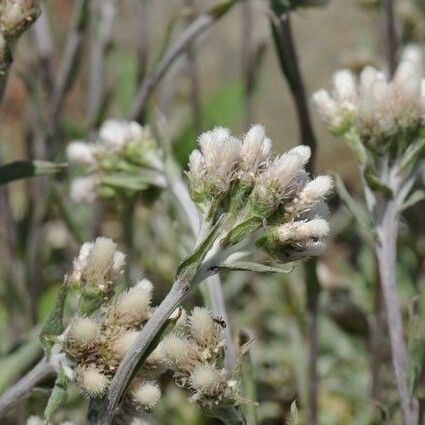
column 38, row 244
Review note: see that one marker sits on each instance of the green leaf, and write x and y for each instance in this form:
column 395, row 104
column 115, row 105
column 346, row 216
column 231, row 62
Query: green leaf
column 130, row 182
column 24, row 169
column 57, row 397
column 241, row 230
column 412, row 155
column 375, row 183
column 54, row 323
column 253, row 267
column 353, row 139
column 218, row 10
column 413, row 198
column 355, row 208
column 191, row 263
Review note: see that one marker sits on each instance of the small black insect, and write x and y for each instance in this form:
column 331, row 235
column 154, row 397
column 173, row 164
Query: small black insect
column 220, row 321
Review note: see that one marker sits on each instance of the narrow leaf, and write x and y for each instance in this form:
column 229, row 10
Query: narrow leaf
column 134, row 183
column 413, row 153
column 241, row 230
column 414, row 198
column 356, row 145
column 376, row 184
column 200, row 251
column 356, row 209
column 218, row 10
column 54, row 323
column 253, row 267
column 57, row 397
column 24, row 169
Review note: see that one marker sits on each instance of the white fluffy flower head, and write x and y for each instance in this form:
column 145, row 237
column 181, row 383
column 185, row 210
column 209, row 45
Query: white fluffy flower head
column 146, row 395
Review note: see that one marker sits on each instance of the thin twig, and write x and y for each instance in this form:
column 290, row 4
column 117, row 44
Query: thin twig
column 194, row 30
column 99, row 48
column 392, row 36
column 5, row 64
column 288, row 58
column 70, row 62
column 192, row 71
column 247, row 65
column 45, row 50
column 25, row 386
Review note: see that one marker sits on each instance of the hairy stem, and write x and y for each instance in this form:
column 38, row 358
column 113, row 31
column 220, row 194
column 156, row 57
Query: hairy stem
column 386, row 251
column 215, row 290
column 24, row 387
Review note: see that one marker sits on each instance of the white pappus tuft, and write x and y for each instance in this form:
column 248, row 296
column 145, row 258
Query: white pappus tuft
column 145, row 395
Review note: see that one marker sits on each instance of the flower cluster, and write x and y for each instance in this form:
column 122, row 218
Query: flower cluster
column 124, row 159
column 259, row 196
column 194, row 352
column 96, row 268
column 96, row 344
column 379, row 112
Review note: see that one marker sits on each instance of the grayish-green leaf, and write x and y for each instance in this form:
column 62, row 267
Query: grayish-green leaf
column 57, row 397
column 413, row 198
column 412, row 154
column 253, row 267
column 54, row 323
column 376, row 184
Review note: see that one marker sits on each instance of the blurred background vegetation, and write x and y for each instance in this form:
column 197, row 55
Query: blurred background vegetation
column 40, row 234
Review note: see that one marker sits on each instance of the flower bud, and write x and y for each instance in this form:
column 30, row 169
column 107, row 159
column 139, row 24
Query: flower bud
column 80, row 152
column 114, row 134
column 123, row 343
column 255, row 149
column 91, row 380
column 96, row 265
column 207, row 380
column 83, row 189
column 315, row 190
column 145, row 395
column 133, row 306
column 176, row 350
column 84, row 331
column 221, row 153
column 345, row 86
column 101, row 257
column 203, row 328
column 302, row 230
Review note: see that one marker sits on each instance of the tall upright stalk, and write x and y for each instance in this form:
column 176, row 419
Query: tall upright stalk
column 385, row 214
column 288, row 58
column 392, row 36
